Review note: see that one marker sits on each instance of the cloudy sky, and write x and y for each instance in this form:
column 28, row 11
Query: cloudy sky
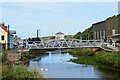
column 51, row 17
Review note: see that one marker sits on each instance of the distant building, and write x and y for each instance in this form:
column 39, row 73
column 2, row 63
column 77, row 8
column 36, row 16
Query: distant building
column 7, row 37
column 59, row 35
column 113, row 28
column 108, row 29
column 17, row 40
column 4, row 32
column 99, row 30
column 11, row 38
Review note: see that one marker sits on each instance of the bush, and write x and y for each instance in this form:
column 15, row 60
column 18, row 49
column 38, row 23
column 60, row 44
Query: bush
column 108, row 58
column 81, row 52
column 3, row 57
column 19, row 72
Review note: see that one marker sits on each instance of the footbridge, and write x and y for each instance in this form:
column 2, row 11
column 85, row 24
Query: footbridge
column 63, row 44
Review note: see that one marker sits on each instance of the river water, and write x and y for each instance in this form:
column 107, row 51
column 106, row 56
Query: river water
column 56, row 65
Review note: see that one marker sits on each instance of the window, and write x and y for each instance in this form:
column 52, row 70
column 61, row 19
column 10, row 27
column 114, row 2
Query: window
column 113, row 31
column 2, row 37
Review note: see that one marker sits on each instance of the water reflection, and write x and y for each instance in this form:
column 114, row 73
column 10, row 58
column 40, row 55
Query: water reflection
column 56, row 65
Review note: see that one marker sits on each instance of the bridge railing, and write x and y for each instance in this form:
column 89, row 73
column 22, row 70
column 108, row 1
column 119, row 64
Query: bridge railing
column 64, row 43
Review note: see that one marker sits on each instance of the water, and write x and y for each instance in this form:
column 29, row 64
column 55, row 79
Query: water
column 57, row 65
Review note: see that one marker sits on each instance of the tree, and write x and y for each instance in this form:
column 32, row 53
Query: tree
column 87, row 34
column 78, row 35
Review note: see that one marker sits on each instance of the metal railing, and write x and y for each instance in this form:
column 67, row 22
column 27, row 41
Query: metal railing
column 63, row 43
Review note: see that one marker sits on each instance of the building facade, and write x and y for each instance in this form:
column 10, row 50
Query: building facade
column 11, row 38
column 112, row 28
column 4, row 36
column 99, row 30
column 108, row 29
column 59, row 35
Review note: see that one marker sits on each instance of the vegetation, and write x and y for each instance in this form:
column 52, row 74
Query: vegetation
column 78, row 35
column 107, row 58
column 100, row 58
column 53, row 37
column 68, row 36
column 47, row 38
column 3, row 58
column 15, row 72
column 19, row 72
column 81, row 52
column 87, row 34
column 84, row 56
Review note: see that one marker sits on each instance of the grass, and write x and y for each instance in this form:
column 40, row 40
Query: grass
column 84, row 60
column 81, row 52
column 107, row 58
column 18, row 72
column 100, row 58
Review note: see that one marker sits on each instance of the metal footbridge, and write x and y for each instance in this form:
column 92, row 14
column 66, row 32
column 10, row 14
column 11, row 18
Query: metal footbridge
column 63, row 44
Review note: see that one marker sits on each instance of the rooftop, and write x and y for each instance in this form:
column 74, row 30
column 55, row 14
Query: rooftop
column 59, row 33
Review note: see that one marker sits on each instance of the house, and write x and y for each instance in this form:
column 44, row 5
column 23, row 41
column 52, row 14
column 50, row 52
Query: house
column 6, row 37
column 11, row 39
column 59, row 35
column 17, row 41
column 4, row 32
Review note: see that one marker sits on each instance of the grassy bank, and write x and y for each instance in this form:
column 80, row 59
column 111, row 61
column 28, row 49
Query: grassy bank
column 19, row 72
column 11, row 72
column 100, row 58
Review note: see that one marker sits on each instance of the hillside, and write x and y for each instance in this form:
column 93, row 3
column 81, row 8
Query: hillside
column 85, row 35
column 53, row 37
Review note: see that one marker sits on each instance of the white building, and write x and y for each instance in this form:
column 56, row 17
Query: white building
column 4, row 36
column 59, row 35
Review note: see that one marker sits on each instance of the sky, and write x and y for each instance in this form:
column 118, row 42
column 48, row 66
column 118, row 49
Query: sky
column 51, row 17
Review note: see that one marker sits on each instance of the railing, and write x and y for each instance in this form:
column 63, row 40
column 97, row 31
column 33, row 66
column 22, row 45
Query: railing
column 63, row 43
